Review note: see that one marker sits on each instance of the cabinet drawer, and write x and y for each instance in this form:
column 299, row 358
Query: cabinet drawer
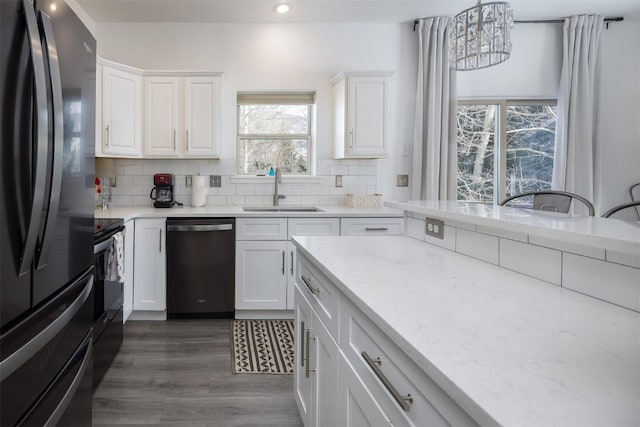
column 390, row 375
column 261, row 229
column 314, row 227
column 321, row 293
column 373, row 226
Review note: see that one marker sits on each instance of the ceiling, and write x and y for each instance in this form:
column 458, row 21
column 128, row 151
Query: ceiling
column 332, row 10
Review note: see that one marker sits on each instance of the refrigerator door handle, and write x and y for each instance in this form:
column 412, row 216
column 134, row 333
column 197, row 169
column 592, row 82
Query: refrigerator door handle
column 73, row 388
column 42, row 146
column 58, row 141
column 27, row 351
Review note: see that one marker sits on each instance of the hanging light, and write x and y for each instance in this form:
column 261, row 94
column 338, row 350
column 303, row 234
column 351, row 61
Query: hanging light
column 480, row 36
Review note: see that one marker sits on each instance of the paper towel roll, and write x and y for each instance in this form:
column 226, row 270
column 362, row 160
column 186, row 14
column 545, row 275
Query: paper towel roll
column 198, row 191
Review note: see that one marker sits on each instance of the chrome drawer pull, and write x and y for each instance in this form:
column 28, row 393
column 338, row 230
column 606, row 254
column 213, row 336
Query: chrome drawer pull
column 376, row 229
column 307, row 281
column 302, row 344
column 403, row 401
column 309, row 338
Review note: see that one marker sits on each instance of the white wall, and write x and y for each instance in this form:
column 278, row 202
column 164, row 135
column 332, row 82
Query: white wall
column 281, row 57
column 306, row 56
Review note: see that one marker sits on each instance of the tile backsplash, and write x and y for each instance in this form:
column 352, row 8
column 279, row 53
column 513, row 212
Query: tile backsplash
column 135, row 181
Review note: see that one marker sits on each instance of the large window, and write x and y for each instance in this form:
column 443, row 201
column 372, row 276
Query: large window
column 275, row 130
column 505, row 148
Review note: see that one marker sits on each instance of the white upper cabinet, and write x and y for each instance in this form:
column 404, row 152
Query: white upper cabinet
column 361, row 109
column 119, row 115
column 182, row 115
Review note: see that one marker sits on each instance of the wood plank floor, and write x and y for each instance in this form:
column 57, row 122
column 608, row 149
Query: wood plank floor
column 178, row 373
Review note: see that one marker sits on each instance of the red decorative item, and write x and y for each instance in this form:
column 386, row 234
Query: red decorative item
column 97, row 181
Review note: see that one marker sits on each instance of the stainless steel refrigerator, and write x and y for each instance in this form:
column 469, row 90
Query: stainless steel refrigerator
column 47, row 96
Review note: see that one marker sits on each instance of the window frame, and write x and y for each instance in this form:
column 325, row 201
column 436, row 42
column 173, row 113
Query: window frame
column 500, row 159
column 278, row 98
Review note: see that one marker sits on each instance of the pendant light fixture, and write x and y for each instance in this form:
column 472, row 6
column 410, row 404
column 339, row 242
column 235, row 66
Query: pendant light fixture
column 480, row 36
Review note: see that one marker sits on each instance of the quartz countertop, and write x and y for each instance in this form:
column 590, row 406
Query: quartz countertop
column 606, row 233
column 130, row 212
column 509, row 349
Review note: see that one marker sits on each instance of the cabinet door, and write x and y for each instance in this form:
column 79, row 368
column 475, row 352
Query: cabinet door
column 129, row 236
column 121, row 112
column 324, row 361
column 261, row 275
column 291, row 273
column 149, row 284
column 162, row 97
column 201, row 130
column 356, row 406
column 302, row 379
column 367, row 117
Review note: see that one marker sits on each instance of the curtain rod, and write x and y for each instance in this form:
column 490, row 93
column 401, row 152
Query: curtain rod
column 546, row 21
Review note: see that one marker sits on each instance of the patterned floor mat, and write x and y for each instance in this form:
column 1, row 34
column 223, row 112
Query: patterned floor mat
column 262, row 346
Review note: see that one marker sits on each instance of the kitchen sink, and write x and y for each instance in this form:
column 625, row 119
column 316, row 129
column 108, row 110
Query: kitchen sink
column 282, row 209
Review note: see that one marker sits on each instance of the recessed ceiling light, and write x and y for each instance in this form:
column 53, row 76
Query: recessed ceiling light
column 53, row 7
column 282, row 8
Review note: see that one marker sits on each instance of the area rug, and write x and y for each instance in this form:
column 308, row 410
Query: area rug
column 262, row 346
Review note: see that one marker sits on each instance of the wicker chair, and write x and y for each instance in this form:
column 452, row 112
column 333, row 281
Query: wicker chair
column 551, row 201
column 618, row 208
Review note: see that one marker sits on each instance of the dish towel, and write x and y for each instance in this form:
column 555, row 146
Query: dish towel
column 114, row 262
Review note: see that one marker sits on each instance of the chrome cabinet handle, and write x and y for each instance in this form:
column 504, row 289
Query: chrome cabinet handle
column 282, row 262
column 309, row 338
column 186, row 146
column 160, row 241
column 374, row 364
column 292, row 263
column 174, row 140
column 307, row 282
column 302, row 329
column 351, row 133
column 376, row 229
column 107, row 132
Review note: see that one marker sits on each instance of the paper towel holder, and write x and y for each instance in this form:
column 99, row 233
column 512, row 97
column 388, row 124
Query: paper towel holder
column 198, row 191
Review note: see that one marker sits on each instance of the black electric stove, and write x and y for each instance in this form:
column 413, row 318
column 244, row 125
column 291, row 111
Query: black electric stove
column 105, row 226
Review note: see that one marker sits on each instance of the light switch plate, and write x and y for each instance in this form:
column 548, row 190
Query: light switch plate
column 402, row 181
column 338, row 180
column 215, row 181
column 434, row 228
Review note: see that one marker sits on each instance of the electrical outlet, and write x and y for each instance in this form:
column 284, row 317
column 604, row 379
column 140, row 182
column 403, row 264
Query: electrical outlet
column 402, row 181
column 434, row 228
column 338, row 180
column 215, row 181
column 113, row 182
column 187, row 181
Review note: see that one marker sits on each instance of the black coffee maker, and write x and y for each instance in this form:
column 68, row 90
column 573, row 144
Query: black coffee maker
column 162, row 193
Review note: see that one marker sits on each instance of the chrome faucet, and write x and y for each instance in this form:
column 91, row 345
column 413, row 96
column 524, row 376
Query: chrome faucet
column 276, row 196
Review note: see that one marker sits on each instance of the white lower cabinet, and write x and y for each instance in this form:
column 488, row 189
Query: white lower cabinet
column 316, row 373
column 149, row 278
column 375, row 382
column 356, row 406
column 261, row 275
column 129, row 237
column 266, row 260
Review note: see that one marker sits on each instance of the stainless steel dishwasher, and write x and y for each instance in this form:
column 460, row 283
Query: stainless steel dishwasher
column 201, row 267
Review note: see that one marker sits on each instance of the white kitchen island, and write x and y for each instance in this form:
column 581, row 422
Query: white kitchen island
column 506, row 348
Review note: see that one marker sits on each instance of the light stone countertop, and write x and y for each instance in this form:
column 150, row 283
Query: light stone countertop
column 130, row 212
column 606, row 233
column 509, row 349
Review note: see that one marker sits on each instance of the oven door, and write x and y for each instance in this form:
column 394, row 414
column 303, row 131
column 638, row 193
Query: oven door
column 108, row 327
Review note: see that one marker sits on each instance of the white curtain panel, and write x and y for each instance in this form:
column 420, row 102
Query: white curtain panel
column 573, row 165
column 434, row 140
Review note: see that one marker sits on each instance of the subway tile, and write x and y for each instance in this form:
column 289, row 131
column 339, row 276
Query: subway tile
column 236, row 201
column 309, row 200
column 535, row 261
column 632, row 260
column 217, row 200
column 415, row 228
column 339, row 170
column 245, row 190
column 477, row 245
column 366, row 180
column 449, row 241
column 253, row 200
column 615, row 283
column 358, row 170
column 590, row 251
column 507, row 234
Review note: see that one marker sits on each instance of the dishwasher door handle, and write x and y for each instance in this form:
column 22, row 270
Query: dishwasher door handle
column 201, row 227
